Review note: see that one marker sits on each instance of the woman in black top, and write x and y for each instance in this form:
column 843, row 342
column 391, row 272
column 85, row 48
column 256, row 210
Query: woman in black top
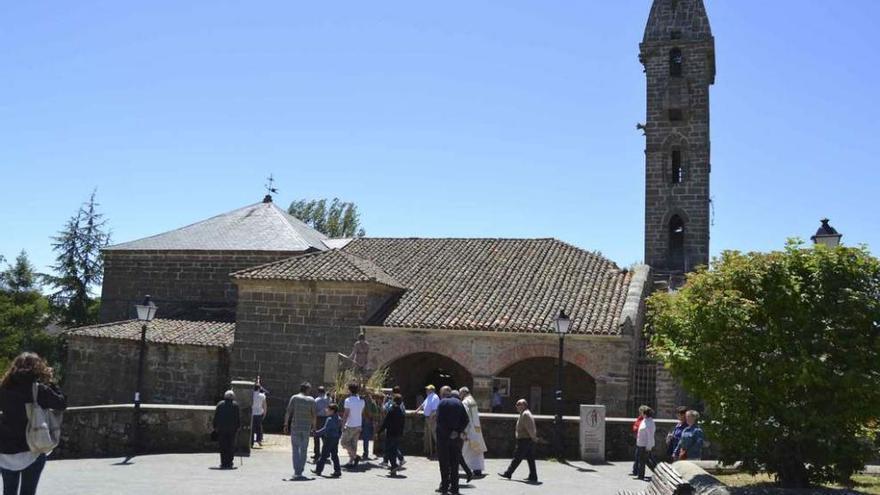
column 20, row 466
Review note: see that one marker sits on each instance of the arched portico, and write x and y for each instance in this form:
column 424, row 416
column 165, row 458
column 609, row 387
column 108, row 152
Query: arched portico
column 534, row 379
column 413, row 372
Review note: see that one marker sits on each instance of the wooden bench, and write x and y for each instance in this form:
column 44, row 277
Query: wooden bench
column 664, row 481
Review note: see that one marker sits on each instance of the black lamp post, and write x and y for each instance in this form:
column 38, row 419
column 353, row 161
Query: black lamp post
column 563, row 322
column 145, row 313
column 827, row 235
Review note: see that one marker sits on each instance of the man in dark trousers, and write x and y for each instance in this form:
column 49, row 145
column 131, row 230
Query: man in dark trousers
column 393, row 428
column 452, row 419
column 526, row 436
column 227, row 421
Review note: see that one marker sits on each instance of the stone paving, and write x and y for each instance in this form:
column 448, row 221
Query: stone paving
column 268, row 471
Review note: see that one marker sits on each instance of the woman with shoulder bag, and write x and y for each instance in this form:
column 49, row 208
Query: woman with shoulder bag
column 20, row 466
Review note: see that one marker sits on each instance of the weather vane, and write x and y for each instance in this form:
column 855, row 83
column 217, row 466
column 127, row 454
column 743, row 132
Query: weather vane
column 270, row 189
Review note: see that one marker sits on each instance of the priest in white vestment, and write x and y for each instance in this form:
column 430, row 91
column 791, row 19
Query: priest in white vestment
column 474, row 445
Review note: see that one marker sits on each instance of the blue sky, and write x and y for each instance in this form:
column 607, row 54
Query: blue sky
column 490, row 119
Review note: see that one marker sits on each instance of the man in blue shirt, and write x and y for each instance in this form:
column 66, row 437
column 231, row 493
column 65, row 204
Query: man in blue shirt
column 674, row 436
column 452, row 420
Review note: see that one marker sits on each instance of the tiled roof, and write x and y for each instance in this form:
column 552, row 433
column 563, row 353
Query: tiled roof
column 515, row 285
column 258, row 227
column 202, row 333
column 329, row 266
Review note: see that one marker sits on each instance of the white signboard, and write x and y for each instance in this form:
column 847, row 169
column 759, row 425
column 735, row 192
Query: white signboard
column 592, row 433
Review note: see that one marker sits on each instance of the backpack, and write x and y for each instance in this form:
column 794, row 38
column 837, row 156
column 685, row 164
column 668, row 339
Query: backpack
column 44, row 426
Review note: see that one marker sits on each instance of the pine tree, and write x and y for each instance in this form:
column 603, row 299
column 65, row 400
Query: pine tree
column 78, row 265
column 24, row 313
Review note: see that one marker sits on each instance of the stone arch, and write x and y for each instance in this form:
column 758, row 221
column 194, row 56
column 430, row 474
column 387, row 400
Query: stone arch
column 675, row 139
column 508, row 357
column 535, row 379
column 413, row 372
column 412, row 344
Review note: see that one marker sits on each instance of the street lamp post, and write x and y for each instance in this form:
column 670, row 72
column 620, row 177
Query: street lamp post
column 145, row 313
column 563, row 322
column 827, row 235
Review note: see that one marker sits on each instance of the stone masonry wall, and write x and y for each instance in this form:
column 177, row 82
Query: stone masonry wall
column 106, row 431
column 104, row 371
column 284, row 330
column 607, row 359
column 498, row 432
column 690, row 136
column 190, row 285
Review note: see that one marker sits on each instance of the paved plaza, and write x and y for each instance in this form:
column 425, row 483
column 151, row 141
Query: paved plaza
column 268, row 471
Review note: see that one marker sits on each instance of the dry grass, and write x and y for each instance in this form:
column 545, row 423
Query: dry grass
column 869, row 485
column 374, row 383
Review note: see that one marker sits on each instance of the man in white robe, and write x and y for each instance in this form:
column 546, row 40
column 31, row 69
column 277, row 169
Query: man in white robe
column 474, row 445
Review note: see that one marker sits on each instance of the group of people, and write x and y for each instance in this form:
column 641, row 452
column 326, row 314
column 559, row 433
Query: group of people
column 452, row 431
column 28, row 379
column 452, row 426
column 684, row 442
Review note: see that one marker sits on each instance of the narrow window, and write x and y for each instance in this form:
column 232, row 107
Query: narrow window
column 675, row 35
column 676, row 62
column 677, row 168
column 676, row 115
column 676, row 242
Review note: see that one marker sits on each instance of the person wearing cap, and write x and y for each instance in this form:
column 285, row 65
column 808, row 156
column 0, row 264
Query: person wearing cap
column 429, row 409
column 226, row 423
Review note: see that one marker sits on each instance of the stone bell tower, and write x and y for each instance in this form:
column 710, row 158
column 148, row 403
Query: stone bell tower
column 678, row 53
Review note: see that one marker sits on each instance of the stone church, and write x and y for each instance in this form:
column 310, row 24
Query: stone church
column 256, row 292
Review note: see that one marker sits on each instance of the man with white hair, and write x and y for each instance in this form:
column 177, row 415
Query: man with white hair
column 227, row 421
column 474, row 444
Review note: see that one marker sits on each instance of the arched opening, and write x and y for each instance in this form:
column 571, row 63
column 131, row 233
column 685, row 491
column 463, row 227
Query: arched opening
column 412, row 373
column 676, row 243
column 676, row 62
column 534, row 379
column 677, row 167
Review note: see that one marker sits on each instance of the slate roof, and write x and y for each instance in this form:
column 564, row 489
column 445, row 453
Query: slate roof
column 200, row 333
column 513, row 285
column 329, row 266
column 257, row 227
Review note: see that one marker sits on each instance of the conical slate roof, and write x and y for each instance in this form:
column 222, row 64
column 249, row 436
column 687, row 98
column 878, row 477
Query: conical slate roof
column 258, row 227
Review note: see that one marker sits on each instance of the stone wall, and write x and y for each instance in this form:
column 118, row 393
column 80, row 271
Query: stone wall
column 106, row 431
column 498, row 431
column 104, row 371
column 188, row 285
column 607, row 359
column 285, row 329
column 687, row 138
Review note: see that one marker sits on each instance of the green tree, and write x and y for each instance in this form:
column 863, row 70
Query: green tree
column 339, row 219
column 783, row 349
column 24, row 313
column 78, row 267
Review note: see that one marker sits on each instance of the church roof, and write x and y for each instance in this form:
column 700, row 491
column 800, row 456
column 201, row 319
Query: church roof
column 200, row 333
column 515, row 285
column 328, row 266
column 258, row 227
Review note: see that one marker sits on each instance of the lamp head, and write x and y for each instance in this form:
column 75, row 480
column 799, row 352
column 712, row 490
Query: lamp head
column 146, row 311
column 827, row 235
column 563, row 323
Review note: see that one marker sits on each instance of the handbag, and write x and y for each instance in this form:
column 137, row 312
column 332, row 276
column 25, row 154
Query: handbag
column 44, row 425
